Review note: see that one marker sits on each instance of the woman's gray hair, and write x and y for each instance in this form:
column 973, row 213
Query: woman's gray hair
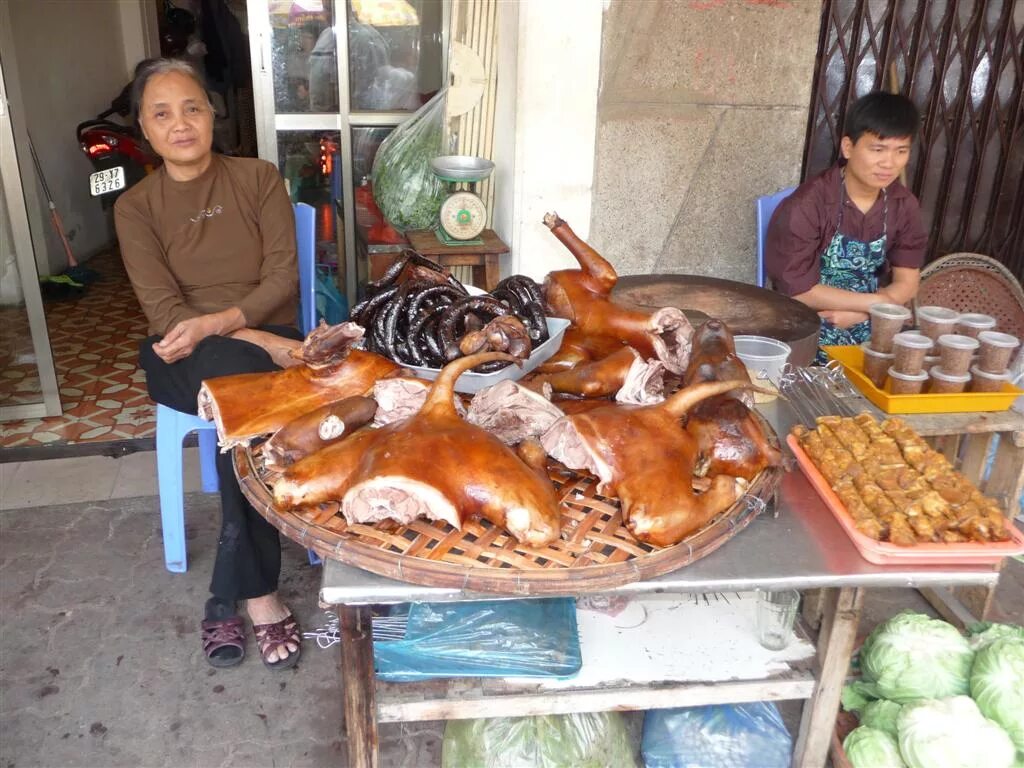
column 147, row 68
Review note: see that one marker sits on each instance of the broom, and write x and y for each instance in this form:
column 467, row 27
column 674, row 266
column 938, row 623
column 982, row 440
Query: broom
column 74, row 274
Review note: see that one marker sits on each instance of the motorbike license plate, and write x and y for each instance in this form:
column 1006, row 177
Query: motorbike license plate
column 110, row 180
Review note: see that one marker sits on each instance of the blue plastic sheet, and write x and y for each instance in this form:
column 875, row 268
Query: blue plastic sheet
column 490, row 638
column 717, row 736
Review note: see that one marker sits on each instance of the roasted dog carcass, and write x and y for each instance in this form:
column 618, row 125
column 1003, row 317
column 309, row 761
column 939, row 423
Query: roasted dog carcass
column 643, row 455
column 600, row 326
column 730, row 440
column 432, row 465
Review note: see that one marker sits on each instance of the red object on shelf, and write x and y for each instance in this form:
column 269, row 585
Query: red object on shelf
column 370, row 222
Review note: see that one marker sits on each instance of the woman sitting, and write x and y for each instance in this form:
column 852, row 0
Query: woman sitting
column 209, row 245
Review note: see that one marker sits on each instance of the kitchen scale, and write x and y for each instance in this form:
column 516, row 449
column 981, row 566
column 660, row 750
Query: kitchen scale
column 463, row 214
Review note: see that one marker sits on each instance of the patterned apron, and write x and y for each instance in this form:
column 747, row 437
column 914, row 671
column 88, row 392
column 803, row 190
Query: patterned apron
column 852, row 265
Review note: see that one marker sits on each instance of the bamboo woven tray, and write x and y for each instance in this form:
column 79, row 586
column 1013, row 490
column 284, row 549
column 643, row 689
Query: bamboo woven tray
column 595, row 551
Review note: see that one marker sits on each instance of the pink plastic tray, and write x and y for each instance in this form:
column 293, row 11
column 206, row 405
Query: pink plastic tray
column 884, row 553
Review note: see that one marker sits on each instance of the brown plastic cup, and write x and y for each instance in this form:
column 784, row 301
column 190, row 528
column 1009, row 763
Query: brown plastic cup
column 983, row 381
column 973, row 323
column 886, row 321
column 946, row 383
column 910, row 350
column 906, row 383
column 955, row 353
column 996, row 350
column 876, row 365
column 935, row 321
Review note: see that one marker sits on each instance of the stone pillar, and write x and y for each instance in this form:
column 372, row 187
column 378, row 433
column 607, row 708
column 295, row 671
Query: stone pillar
column 702, row 108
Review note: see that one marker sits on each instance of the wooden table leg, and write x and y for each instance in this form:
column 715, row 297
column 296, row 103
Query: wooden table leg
column 492, row 271
column 358, row 685
column 835, row 647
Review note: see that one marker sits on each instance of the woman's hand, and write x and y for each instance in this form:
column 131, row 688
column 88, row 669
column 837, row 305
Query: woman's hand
column 841, row 318
column 181, row 340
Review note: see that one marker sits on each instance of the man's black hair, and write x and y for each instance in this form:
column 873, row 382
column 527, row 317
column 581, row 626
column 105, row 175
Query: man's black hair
column 887, row 115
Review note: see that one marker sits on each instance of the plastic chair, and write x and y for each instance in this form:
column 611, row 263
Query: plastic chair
column 172, row 426
column 766, row 206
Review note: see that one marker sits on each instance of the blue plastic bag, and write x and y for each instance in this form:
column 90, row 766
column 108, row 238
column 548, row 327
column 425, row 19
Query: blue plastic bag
column 717, row 736
column 491, row 638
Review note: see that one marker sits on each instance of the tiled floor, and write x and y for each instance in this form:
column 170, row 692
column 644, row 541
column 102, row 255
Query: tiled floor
column 94, row 340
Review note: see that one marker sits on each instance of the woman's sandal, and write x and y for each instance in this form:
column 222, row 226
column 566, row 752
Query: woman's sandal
column 224, row 641
column 276, row 636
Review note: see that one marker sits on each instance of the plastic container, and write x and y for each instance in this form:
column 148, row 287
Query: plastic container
column 885, row 553
column 955, row 352
column 984, row 381
column 906, row 383
column 910, row 350
column 852, row 360
column 876, row 364
column 930, row 361
column 470, row 382
column 935, row 321
column 996, row 351
column 943, row 383
column 764, row 357
column 886, row 321
column 973, row 323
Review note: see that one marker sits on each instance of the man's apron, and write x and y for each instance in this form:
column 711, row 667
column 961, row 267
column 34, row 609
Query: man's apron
column 852, row 265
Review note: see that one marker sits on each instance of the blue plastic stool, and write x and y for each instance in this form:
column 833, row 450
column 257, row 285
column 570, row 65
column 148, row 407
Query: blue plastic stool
column 171, row 428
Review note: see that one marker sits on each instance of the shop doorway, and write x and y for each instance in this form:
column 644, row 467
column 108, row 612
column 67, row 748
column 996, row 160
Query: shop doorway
column 94, row 330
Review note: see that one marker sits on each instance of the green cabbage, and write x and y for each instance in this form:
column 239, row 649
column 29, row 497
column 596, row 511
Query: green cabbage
column 912, row 656
column 857, row 695
column 997, row 685
column 872, row 748
column 985, row 632
column 952, row 733
column 584, row 740
column 882, row 715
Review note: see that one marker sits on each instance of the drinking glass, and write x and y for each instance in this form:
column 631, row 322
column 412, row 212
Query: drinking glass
column 776, row 613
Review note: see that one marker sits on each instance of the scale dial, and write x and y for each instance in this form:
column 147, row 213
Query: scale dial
column 463, row 216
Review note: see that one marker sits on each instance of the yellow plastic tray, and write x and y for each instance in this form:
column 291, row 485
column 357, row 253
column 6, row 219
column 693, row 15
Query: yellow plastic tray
column 852, row 359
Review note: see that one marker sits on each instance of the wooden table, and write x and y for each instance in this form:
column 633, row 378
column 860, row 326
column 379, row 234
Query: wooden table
column 966, row 439
column 484, row 259
column 804, row 548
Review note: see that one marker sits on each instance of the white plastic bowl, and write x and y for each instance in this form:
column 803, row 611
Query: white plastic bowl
column 763, row 356
column 471, row 383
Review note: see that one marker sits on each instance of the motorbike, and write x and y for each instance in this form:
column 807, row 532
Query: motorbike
column 118, row 154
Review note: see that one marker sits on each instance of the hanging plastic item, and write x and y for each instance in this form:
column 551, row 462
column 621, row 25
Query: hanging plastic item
column 734, row 735
column 490, row 638
column 587, row 740
column 331, row 306
column 404, row 185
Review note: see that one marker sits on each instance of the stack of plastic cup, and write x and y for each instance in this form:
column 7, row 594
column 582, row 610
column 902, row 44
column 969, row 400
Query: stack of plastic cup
column 887, row 321
column 992, row 369
column 936, row 321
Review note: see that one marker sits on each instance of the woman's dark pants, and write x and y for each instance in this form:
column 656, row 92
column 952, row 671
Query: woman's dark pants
column 248, row 560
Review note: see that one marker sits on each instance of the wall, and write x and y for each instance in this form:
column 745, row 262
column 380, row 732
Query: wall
column 546, row 119
column 703, row 107
column 71, row 61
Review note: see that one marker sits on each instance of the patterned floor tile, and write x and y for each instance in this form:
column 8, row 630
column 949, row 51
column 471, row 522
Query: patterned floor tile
column 94, row 341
